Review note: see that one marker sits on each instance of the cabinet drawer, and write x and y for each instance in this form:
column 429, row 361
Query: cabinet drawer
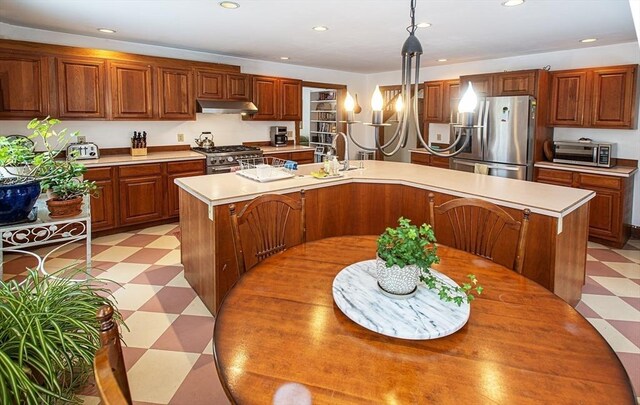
column 302, row 157
column 185, row 166
column 99, row 173
column 591, row 180
column 441, row 162
column 140, row 170
column 555, row 176
column 283, row 156
column 420, row 158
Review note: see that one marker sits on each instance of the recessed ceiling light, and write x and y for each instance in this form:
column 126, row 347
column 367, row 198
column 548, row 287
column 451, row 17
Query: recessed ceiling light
column 320, row 28
column 587, row 40
column 229, row 4
column 512, row 3
column 423, row 25
column 107, row 30
column 442, row 60
column 284, row 58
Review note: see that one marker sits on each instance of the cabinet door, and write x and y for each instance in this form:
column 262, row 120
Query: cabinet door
column 441, row 162
column 613, row 97
column 103, row 207
column 24, row 85
column 265, row 97
column 238, row 87
column 176, row 170
column 604, row 214
column 434, row 101
column 515, row 84
column 420, row 158
column 81, row 88
column 175, row 94
column 142, row 193
column 451, row 96
column 131, row 90
column 568, row 95
column 482, row 84
column 290, row 100
column 210, row 85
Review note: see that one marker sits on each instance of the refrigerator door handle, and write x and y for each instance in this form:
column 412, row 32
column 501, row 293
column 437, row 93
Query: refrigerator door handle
column 508, row 168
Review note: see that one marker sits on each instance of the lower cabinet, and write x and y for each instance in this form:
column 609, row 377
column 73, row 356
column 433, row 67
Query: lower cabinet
column 427, row 159
column 131, row 195
column 302, row 157
column 609, row 210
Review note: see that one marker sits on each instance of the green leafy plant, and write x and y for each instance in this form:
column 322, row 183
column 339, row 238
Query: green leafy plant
column 48, row 336
column 409, row 244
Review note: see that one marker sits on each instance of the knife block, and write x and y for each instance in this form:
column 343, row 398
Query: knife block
column 138, row 151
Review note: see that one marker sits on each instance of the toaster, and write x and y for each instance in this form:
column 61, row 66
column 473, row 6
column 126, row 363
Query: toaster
column 83, row 150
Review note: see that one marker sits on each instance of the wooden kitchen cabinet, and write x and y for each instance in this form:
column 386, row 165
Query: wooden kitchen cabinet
column 131, row 90
column 451, row 95
column 434, row 101
column 518, row 83
column 609, row 210
column 482, row 84
column 175, row 94
column 277, row 99
column 103, row 204
column 141, row 193
column 216, row 85
column 176, row 170
column 81, row 88
column 24, row 85
column 427, row 159
column 594, row 98
column 238, row 86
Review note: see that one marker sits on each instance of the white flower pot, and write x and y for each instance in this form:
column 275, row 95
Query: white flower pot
column 397, row 280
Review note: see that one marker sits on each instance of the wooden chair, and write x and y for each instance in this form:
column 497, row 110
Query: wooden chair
column 266, row 219
column 108, row 365
column 478, row 226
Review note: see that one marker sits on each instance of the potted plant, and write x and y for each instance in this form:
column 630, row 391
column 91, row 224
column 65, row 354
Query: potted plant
column 48, row 336
column 404, row 258
column 23, row 166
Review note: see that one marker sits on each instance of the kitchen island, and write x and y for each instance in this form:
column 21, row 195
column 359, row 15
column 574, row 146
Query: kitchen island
column 364, row 202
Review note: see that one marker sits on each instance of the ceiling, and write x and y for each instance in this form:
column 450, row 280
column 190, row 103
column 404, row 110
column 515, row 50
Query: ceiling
column 364, row 35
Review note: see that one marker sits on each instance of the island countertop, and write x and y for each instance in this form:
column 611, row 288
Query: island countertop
column 545, row 199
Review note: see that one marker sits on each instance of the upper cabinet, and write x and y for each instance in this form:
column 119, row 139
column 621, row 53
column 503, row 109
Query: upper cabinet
column 482, row 84
column 594, row 98
column 175, row 94
column 277, row 99
column 519, row 83
column 24, row 85
column 215, row 85
column 438, row 96
column 81, row 88
column 131, row 90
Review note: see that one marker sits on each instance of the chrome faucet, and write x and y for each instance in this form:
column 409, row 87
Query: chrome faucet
column 345, row 163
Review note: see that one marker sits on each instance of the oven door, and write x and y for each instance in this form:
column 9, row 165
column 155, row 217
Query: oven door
column 221, row 169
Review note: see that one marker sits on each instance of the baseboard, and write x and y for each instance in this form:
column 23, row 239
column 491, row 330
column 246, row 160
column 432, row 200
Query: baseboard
column 635, row 232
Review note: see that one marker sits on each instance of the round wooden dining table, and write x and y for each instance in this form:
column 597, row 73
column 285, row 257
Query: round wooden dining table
column 521, row 344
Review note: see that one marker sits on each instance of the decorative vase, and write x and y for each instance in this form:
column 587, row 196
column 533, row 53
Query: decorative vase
column 17, row 201
column 397, row 280
column 64, row 208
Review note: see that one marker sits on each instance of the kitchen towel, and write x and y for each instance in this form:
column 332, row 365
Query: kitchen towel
column 480, row 168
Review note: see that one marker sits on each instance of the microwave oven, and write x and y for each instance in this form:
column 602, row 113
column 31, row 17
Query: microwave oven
column 584, row 153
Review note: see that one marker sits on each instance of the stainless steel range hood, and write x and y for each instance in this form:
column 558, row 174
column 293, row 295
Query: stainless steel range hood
column 226, row 107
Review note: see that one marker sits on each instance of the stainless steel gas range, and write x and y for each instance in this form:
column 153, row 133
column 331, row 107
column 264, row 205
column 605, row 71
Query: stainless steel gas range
column 222, row 159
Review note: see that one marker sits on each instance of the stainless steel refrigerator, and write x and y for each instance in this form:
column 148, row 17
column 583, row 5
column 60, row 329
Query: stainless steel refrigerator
column 503, row 145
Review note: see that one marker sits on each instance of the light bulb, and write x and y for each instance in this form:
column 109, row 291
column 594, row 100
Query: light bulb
column 399, row 103
column 469, row 101
column 349, row 104
column 376, row 100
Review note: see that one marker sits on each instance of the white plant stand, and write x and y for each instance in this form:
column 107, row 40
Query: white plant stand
column 45, row 231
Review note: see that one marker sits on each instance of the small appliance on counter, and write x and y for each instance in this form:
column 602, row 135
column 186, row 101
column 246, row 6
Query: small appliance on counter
column 139, row 143
column 83, row 150
column 585, row 152
column 279, row 136
column 205, row 140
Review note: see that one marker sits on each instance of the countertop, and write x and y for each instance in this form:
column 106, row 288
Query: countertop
column 545, row 199
column 284, row 149
column 152, row 157
column 423, row 150
column 617, row 171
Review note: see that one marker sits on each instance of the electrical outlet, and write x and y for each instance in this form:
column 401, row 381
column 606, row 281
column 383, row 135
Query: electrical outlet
column 438, row 137
column 81, row 138
column 180, row 137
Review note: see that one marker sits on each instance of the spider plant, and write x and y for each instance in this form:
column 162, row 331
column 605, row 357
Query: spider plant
column 48, row 336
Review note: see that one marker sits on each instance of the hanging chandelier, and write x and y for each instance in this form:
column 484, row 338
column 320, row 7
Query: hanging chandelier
column 411, row 51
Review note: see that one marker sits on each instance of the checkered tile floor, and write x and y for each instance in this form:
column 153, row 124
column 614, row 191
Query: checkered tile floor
column 168, row 349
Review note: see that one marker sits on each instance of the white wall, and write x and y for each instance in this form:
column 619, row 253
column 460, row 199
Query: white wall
column 227, row 129
column 628, row 141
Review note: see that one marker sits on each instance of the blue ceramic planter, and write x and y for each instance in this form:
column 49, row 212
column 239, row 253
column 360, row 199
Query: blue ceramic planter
column 17, row 201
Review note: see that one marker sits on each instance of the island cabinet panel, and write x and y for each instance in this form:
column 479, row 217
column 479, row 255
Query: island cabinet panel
column 434, row 102
column 175, row 94
column 290, row 100
column 103, row 204
column 613, row 97
column 520, row 83
column 238, row 86
column 142, row 193
column 176, row 170
column 131, row 90
column 482, row 84
column 265, row 97
column 81, row 88
column 210, row 84
column 24, row 85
